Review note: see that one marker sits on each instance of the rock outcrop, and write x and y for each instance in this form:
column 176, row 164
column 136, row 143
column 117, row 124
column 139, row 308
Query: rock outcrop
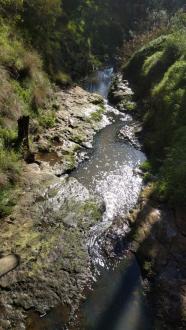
column 78, row 118
column 49, row 226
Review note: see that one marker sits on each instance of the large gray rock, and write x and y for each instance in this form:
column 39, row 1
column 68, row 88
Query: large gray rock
column 8, row 263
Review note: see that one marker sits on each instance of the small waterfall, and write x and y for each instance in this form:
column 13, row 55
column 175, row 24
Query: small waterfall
column 99, row 82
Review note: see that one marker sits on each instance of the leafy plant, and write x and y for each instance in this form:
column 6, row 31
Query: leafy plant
column 47, row 120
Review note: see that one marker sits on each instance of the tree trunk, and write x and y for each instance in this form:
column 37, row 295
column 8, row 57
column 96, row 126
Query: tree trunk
column 23, row 128
column 23, row 140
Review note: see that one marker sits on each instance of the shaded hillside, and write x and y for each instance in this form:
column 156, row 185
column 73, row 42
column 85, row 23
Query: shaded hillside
column 77, row 36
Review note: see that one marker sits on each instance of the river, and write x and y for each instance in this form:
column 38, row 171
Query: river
column 116, row 300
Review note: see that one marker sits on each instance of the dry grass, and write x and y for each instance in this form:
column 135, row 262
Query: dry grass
column 138, row 41
column 32, row 63
column 9, row 103
column 3, row 180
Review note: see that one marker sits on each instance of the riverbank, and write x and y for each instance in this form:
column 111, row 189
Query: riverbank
column 57, row 227
column 157, row 237
column 49, row 226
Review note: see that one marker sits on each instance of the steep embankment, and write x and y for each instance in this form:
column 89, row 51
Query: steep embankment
column 157, row 73
column 25, row 90
column 48, row 228
column 45, row 220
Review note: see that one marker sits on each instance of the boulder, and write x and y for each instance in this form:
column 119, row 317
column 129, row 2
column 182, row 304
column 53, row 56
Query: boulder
column 8, row 263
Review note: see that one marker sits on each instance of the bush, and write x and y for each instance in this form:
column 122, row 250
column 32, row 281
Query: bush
column 62, row 79
column 172, row 184
column 7, row 137
column 9, row 165
column 7, row 201
column 151, row 61
column 32, row 63
column 139, row 41
column 47, row 120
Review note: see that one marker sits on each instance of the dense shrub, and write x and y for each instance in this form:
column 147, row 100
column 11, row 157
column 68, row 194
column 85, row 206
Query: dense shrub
column 172, row 184
column 158, row 72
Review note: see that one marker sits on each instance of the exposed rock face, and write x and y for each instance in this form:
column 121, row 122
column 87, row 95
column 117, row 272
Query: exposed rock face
column 78, row 118
column 48, row 230
column 129, row 134
column 121, row 94
column 49, row 227
column 8, row 263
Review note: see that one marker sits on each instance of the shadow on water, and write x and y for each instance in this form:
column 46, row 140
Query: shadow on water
column 117, row 301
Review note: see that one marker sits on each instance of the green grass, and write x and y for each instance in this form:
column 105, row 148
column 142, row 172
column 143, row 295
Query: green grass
column 7, row 201
column 47, row 119
column 10, row 168
column 24, row 89
column 9, row 165
column 172, row 183
column 97, row 115
column 158, row 72
column 151, row 61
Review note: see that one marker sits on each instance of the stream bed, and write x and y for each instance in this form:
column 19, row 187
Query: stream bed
column 116, row 300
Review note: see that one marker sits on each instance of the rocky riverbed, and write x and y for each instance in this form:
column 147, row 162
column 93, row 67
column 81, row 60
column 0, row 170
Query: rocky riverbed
column 51, row 236
column 45, row 260
column 49, row 226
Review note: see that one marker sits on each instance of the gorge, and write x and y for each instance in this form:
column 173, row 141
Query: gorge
column 92, row 170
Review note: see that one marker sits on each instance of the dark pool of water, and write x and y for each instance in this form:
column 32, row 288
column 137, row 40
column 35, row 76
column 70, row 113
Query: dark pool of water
column 117, row 301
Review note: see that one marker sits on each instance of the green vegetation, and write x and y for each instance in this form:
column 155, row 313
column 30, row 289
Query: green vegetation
column 24, row 89
column 97, row 115
column 47, row 119
column 146, row 166
column 75, row 36
column 151, row 61
column 9, row 176
column 147, row 171
column 46, row 42
column 158, row 73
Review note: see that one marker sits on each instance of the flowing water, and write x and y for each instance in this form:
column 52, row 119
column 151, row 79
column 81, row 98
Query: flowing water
column 110, row 171
column 99, row 82
column 117, row 301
